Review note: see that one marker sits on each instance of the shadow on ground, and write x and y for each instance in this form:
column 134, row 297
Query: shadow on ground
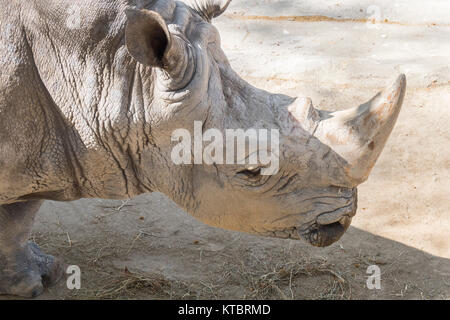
column 148, row 249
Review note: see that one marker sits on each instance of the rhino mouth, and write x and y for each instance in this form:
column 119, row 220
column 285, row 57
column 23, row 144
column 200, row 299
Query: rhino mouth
column 326, row 228
column 329, row 227
column 320, row 235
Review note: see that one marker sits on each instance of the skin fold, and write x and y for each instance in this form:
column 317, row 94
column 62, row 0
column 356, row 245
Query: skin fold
column 91, row 92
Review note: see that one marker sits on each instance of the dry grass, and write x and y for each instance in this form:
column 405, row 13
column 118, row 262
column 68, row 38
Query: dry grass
column 242, row 273
column 128, row 285
column 284, row 277
column 277, row 280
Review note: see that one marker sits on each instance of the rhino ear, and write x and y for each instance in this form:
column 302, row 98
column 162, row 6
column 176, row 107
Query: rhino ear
column 209, row 8
column 147, row 37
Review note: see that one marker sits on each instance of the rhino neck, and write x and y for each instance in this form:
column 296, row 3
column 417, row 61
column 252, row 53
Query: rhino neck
column 111, row 106
column 103, row 96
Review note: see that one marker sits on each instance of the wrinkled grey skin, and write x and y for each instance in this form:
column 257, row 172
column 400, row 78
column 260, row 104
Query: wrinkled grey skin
column 87, row 111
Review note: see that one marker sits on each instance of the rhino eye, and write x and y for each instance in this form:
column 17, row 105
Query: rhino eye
column 250, row 174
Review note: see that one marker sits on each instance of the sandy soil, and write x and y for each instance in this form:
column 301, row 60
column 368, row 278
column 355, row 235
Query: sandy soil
column 148, row 248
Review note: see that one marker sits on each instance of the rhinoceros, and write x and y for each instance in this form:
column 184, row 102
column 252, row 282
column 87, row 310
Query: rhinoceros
column 91, row 92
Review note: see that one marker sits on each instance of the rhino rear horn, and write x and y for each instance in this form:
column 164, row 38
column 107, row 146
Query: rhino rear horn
column 209, row 9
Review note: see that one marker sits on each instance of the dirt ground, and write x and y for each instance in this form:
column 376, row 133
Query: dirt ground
column 147, row 248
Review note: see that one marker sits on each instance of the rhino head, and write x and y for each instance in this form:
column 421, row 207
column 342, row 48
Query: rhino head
column 321, row 156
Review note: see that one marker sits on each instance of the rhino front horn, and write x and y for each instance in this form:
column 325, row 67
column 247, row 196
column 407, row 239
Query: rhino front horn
column 358, row 135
